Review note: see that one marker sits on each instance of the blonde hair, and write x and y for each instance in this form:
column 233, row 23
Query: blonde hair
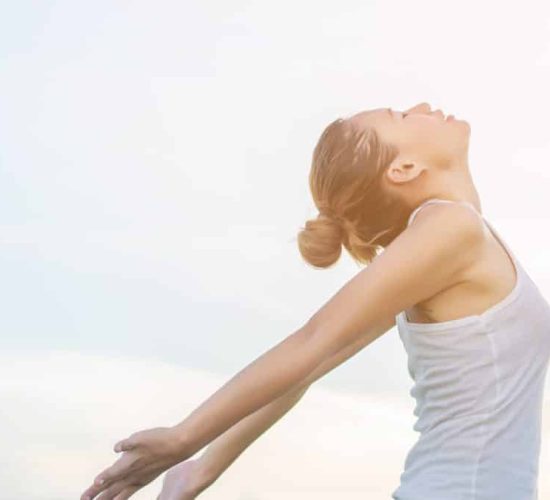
column 354, row 210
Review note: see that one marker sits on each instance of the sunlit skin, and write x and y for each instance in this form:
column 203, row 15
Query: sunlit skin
column 433, row 159
column 433, row 162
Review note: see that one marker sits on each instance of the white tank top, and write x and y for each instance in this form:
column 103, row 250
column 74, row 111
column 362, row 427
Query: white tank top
column 478, row 387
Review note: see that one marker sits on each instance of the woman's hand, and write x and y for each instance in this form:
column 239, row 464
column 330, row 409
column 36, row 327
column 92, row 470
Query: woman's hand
column 184, row 481
column 147, row 454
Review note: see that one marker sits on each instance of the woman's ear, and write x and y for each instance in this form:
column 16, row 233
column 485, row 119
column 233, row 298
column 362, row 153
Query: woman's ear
column 403, row 170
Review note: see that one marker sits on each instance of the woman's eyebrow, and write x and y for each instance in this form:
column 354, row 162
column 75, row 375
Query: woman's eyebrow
column 389, row 110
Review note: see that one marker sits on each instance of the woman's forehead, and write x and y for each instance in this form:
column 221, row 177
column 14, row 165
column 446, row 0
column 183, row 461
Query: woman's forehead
column 374, row 113
column 382, row 111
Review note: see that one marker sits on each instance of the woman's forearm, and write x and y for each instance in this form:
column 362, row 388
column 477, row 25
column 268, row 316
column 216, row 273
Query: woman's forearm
column 271, row 375
column 291, row 364
column 224, row 450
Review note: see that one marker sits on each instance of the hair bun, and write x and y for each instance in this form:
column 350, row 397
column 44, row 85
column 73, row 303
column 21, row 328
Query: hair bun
column 320, row 241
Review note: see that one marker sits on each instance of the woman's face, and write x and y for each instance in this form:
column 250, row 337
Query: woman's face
column 420, row 134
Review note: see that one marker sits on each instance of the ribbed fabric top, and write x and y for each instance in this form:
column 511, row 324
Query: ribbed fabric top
column 478, row 386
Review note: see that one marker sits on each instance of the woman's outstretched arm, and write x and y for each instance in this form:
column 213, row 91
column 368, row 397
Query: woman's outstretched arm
column 225, row 449
column 427, row 257
column 420, row 262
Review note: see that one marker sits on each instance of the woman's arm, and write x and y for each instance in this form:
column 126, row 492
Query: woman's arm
column 423, row 260
column 224, row 450
column 227, row 447
column 427, row 257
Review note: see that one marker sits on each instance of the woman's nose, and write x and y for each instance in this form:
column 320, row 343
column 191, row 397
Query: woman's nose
column 422, row 107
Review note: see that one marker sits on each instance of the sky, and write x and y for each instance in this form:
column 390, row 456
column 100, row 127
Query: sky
column 154, row 162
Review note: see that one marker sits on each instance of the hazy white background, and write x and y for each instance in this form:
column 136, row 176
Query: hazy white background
column 153, row 177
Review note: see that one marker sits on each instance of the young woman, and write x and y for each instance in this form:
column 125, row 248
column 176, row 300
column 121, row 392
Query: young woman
column 475, row 327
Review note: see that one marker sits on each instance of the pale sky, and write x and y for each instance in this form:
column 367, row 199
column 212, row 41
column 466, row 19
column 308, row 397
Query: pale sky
column 154, row 162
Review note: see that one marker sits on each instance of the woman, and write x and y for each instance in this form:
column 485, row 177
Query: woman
column 473, row 323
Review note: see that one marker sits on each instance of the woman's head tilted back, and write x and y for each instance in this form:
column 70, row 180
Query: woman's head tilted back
column 368, row 172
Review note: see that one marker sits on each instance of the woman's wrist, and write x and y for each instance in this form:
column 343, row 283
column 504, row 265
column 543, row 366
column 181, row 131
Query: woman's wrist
column 223, row 450
column 204, row 477
column 200, row 479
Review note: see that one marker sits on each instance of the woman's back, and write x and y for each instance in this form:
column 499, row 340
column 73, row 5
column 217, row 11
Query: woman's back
column 478, row 386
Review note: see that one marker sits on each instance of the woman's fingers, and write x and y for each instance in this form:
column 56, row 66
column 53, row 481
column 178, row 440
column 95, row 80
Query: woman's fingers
column 126, row 463
column 121, row 490
column 147, row 454
column 114, row 491
column 126, row 493
column 124, row 445
column 129, row 485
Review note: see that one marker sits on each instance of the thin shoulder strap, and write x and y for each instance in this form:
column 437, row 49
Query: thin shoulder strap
column 434, row 200
column 468, row 204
